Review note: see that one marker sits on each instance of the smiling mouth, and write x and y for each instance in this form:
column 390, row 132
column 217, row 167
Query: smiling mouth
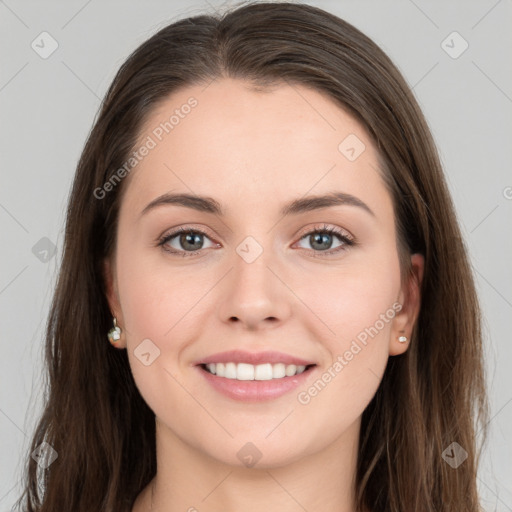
column 247, row 372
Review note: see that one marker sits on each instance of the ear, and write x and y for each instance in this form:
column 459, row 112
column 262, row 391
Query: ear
column 112, row 293
column 410, row 298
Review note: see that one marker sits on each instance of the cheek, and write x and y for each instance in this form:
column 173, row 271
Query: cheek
column 353, row 317
column 154, row 297
column 155, row 304
column 358, row 308
column 352, row 297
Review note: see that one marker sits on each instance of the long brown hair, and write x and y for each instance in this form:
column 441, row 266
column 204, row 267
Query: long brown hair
column 431, row 396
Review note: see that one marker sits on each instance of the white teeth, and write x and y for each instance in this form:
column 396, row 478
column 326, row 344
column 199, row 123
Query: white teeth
column 290, row 370
column 230, row 371
column 263, row 372
column 278, row 371
column 244, row 371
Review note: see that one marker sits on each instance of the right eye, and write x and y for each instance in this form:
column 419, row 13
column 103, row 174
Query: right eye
column 189, row 239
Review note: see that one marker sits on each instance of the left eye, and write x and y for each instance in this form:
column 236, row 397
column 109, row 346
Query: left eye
column 324, row 237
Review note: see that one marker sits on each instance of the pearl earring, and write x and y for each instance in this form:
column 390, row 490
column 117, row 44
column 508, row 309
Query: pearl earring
column 402, row 339
column 114, row 335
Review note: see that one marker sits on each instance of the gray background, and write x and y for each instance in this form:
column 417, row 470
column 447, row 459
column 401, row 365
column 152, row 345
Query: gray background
column 48, row 106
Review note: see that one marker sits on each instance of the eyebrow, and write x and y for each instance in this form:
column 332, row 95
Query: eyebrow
column 297, row 206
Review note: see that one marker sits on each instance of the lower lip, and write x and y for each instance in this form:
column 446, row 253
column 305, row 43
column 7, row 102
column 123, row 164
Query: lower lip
column 255, row 390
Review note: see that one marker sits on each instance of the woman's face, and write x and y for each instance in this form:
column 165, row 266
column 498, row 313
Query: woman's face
column 258, row 280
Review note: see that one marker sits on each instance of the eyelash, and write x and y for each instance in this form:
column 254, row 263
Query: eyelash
column 347, row 242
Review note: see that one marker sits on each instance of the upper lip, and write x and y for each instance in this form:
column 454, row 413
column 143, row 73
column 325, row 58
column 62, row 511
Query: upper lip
column 254, row 358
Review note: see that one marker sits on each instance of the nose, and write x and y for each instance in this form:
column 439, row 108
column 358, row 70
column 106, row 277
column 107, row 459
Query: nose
column 254, row 296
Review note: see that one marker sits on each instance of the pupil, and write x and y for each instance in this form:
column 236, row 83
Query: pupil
column 322, row 238
column 188, row 239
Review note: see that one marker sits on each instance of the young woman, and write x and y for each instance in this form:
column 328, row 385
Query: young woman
column 264, row 301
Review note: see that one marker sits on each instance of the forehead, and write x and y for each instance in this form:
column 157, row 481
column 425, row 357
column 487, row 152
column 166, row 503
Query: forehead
column 252, row 147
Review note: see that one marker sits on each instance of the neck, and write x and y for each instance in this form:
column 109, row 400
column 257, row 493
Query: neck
column 189, row 480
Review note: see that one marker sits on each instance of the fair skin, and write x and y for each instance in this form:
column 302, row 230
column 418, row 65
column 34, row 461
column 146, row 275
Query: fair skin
column 253, row 152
